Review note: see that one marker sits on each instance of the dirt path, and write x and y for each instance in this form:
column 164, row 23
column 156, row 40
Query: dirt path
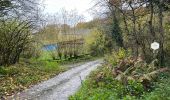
column 61, row 86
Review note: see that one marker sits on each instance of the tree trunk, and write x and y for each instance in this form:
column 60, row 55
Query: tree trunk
column 161, row 31
column 153, row 38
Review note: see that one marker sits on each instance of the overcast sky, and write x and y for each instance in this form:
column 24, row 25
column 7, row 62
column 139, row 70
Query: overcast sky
column 54, row 6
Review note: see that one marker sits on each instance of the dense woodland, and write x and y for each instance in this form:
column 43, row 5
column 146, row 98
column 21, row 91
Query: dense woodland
column 121, row 32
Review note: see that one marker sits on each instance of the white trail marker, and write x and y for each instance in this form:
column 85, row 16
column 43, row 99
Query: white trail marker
column 155, row 46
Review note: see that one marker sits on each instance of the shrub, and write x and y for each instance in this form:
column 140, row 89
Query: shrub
column 15, row 36
column 96, row 43
column 33, row 50
column 117, row 56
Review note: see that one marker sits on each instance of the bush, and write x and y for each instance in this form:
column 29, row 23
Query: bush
column 96, row 43
column 116, row 56
column 15, row 36
column 33, row 50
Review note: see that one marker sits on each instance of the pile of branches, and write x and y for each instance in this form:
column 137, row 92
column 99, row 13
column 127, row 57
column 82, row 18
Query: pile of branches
column 137, row 69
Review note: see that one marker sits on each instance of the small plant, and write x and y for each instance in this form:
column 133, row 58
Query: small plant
column 134, row 88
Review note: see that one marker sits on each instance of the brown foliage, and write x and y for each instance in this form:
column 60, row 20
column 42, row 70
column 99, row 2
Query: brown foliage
column 138, row 70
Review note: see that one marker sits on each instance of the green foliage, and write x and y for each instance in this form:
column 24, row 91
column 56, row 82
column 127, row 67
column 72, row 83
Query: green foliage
column 50, row 66
column 116, row 32
column 45, row 55
column 3, row 71
column 91, row 91
column 96, row 42
column 27, row 80
column 134, row 88
column 95, row 94
column 161, row 91
column 11, row 71
column 116, row 56
column 107, row 89
column 53, row 55
column 110, row 89
column 128, row 97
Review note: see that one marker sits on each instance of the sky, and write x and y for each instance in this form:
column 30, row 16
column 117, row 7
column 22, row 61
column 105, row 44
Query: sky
column 82, row 6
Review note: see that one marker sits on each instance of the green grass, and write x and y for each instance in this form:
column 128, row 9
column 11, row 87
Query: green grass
column 25, row 74
column 47, row 55
column 110, row 89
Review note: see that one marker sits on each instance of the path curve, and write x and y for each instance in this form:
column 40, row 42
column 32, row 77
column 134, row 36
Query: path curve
column 61, row 86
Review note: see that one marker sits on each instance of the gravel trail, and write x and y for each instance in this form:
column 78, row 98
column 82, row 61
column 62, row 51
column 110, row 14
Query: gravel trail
column 61, row 86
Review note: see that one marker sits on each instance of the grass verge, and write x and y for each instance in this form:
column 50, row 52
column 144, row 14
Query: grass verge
column 23, row 75
column 110, row 89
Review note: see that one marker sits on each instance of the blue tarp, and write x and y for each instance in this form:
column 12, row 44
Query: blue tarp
column 49, row 47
